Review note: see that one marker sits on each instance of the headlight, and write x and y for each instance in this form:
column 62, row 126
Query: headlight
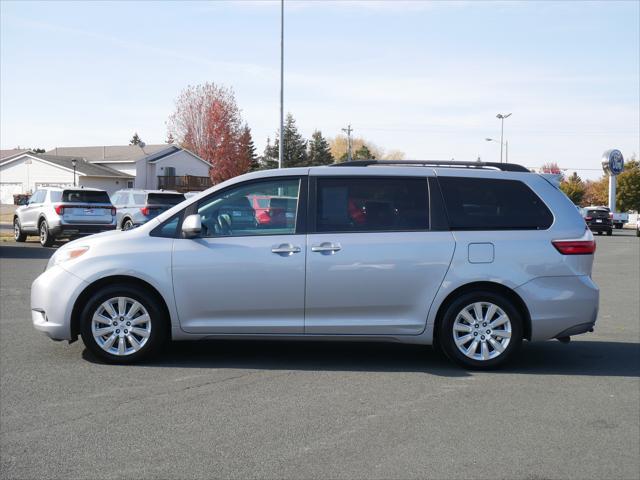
column 66, row 254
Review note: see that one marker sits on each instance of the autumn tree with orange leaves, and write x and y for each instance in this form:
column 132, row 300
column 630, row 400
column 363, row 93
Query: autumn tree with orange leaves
column 207, row 121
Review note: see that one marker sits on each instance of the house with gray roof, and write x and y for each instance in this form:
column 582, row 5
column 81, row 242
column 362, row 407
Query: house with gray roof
column 153, row 166
column 26, row 172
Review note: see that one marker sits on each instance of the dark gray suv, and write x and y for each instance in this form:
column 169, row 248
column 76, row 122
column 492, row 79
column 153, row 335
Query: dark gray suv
column 137, row 207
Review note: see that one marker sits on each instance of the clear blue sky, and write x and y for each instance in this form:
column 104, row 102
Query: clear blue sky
column 426, row 78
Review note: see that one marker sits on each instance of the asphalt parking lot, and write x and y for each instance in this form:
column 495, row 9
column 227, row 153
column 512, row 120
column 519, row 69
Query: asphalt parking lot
column 332, row 410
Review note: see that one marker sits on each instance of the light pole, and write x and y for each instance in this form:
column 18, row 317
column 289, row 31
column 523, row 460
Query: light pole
column 502, row 116
column 74, row 162
column 281, row 149
column 506, row 148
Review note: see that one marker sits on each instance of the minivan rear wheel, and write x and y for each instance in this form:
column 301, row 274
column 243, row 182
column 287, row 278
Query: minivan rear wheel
column 123, row 324
column 481, row 330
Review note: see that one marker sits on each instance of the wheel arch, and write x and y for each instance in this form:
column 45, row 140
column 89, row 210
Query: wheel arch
column 485, row 286
column 91, row 289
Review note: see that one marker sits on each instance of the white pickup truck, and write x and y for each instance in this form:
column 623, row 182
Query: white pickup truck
column 619, row 219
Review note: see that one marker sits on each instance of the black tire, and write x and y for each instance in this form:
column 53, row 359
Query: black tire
column 609, row 232
column 158, row 321
column 599, row 232
column 618, row 226
column 127, row 224
column 46, row 238
column 18, row 234
column 446, row 330
column 637, row 232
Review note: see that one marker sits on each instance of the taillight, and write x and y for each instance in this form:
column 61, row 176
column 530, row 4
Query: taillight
column 59, row 209
column 610, row 214
column 575, row 247
column 588, row 218
column 145, row 211
column 113, row 211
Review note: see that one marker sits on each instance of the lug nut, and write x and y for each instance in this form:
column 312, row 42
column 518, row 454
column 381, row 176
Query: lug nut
column 128, row 324
column 117, row 330
column 126, row 331
column 115, row 323
column 484, row 324
column 482, row 337
column 475, row 334
column 488, row 332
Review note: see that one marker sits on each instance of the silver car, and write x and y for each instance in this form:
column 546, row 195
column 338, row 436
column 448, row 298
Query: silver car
column 54, row 213
column 137, row 207
column 474, row 258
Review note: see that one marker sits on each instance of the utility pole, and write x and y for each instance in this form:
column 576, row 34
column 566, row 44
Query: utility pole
column 348, row 131
column 502, row 117
column 281, row 149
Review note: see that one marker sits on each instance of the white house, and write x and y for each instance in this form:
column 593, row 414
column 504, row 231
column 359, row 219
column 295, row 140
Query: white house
column 154, row 166
column 110, row 168
column 26, row 172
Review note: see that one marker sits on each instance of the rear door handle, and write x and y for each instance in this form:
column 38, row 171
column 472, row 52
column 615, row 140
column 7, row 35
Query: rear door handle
column 285, row 249
column 326, row 247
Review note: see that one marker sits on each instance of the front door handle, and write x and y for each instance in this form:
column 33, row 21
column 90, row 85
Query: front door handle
column 285, row 249
column 326, row 247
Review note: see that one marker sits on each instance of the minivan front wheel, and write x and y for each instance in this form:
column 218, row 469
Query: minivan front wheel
column 481, row 330
column 123, row 324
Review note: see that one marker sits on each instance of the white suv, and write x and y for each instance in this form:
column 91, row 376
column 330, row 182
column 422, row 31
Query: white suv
column 54, row 213
column 473, row 257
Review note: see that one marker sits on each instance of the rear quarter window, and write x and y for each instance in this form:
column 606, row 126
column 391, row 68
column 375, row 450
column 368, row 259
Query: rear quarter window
column 85, row 196
column 493, row 204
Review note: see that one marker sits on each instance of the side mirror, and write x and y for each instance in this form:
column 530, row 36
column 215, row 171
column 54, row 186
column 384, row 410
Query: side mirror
column 192, row 226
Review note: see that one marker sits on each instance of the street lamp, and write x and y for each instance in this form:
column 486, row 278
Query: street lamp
column 74, row 163
column 502, row 116
column 506, row 148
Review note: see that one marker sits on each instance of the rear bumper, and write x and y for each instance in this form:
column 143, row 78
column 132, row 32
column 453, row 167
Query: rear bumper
column 53, row 295
column 68, row 230
column 560, row 306
column 600, row 227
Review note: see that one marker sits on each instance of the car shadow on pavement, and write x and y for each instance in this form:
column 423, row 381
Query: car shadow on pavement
column 21, row 251
column 580, row 358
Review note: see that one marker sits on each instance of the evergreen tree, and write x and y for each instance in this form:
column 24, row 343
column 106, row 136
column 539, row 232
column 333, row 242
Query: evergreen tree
column 319, row 151
column 269, row 159
column 249, row 149
column 295, row 147
column 363, row 153
column 135, row 140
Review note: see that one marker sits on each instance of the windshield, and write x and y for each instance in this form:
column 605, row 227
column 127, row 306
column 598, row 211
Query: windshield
column 85, row 196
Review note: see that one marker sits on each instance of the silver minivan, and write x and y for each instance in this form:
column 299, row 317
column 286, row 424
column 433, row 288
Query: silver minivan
column 472, row 257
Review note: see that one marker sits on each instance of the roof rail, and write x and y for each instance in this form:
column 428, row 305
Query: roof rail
column 505, row 167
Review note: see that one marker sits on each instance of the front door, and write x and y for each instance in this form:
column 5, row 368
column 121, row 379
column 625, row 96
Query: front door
column 29, row 216
column 373, row 264
column 245, row 273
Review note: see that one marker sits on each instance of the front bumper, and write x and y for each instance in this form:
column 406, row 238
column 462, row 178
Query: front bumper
column 53, row 295
column 560, row 306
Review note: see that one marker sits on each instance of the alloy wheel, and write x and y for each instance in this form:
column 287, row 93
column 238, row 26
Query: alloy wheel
column 121, row 326
column 482, row 331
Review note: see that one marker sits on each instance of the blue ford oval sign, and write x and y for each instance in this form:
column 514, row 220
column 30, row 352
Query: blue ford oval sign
column 613, row 162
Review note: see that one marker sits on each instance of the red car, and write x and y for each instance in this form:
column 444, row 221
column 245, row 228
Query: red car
column 274, row 211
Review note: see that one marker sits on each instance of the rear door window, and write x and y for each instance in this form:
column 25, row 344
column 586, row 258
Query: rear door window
column 85, row 196
column 372, row 204
column 493, row 204
column 164, row 199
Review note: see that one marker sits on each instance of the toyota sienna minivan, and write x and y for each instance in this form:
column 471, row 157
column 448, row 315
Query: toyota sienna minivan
column 472, row 257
